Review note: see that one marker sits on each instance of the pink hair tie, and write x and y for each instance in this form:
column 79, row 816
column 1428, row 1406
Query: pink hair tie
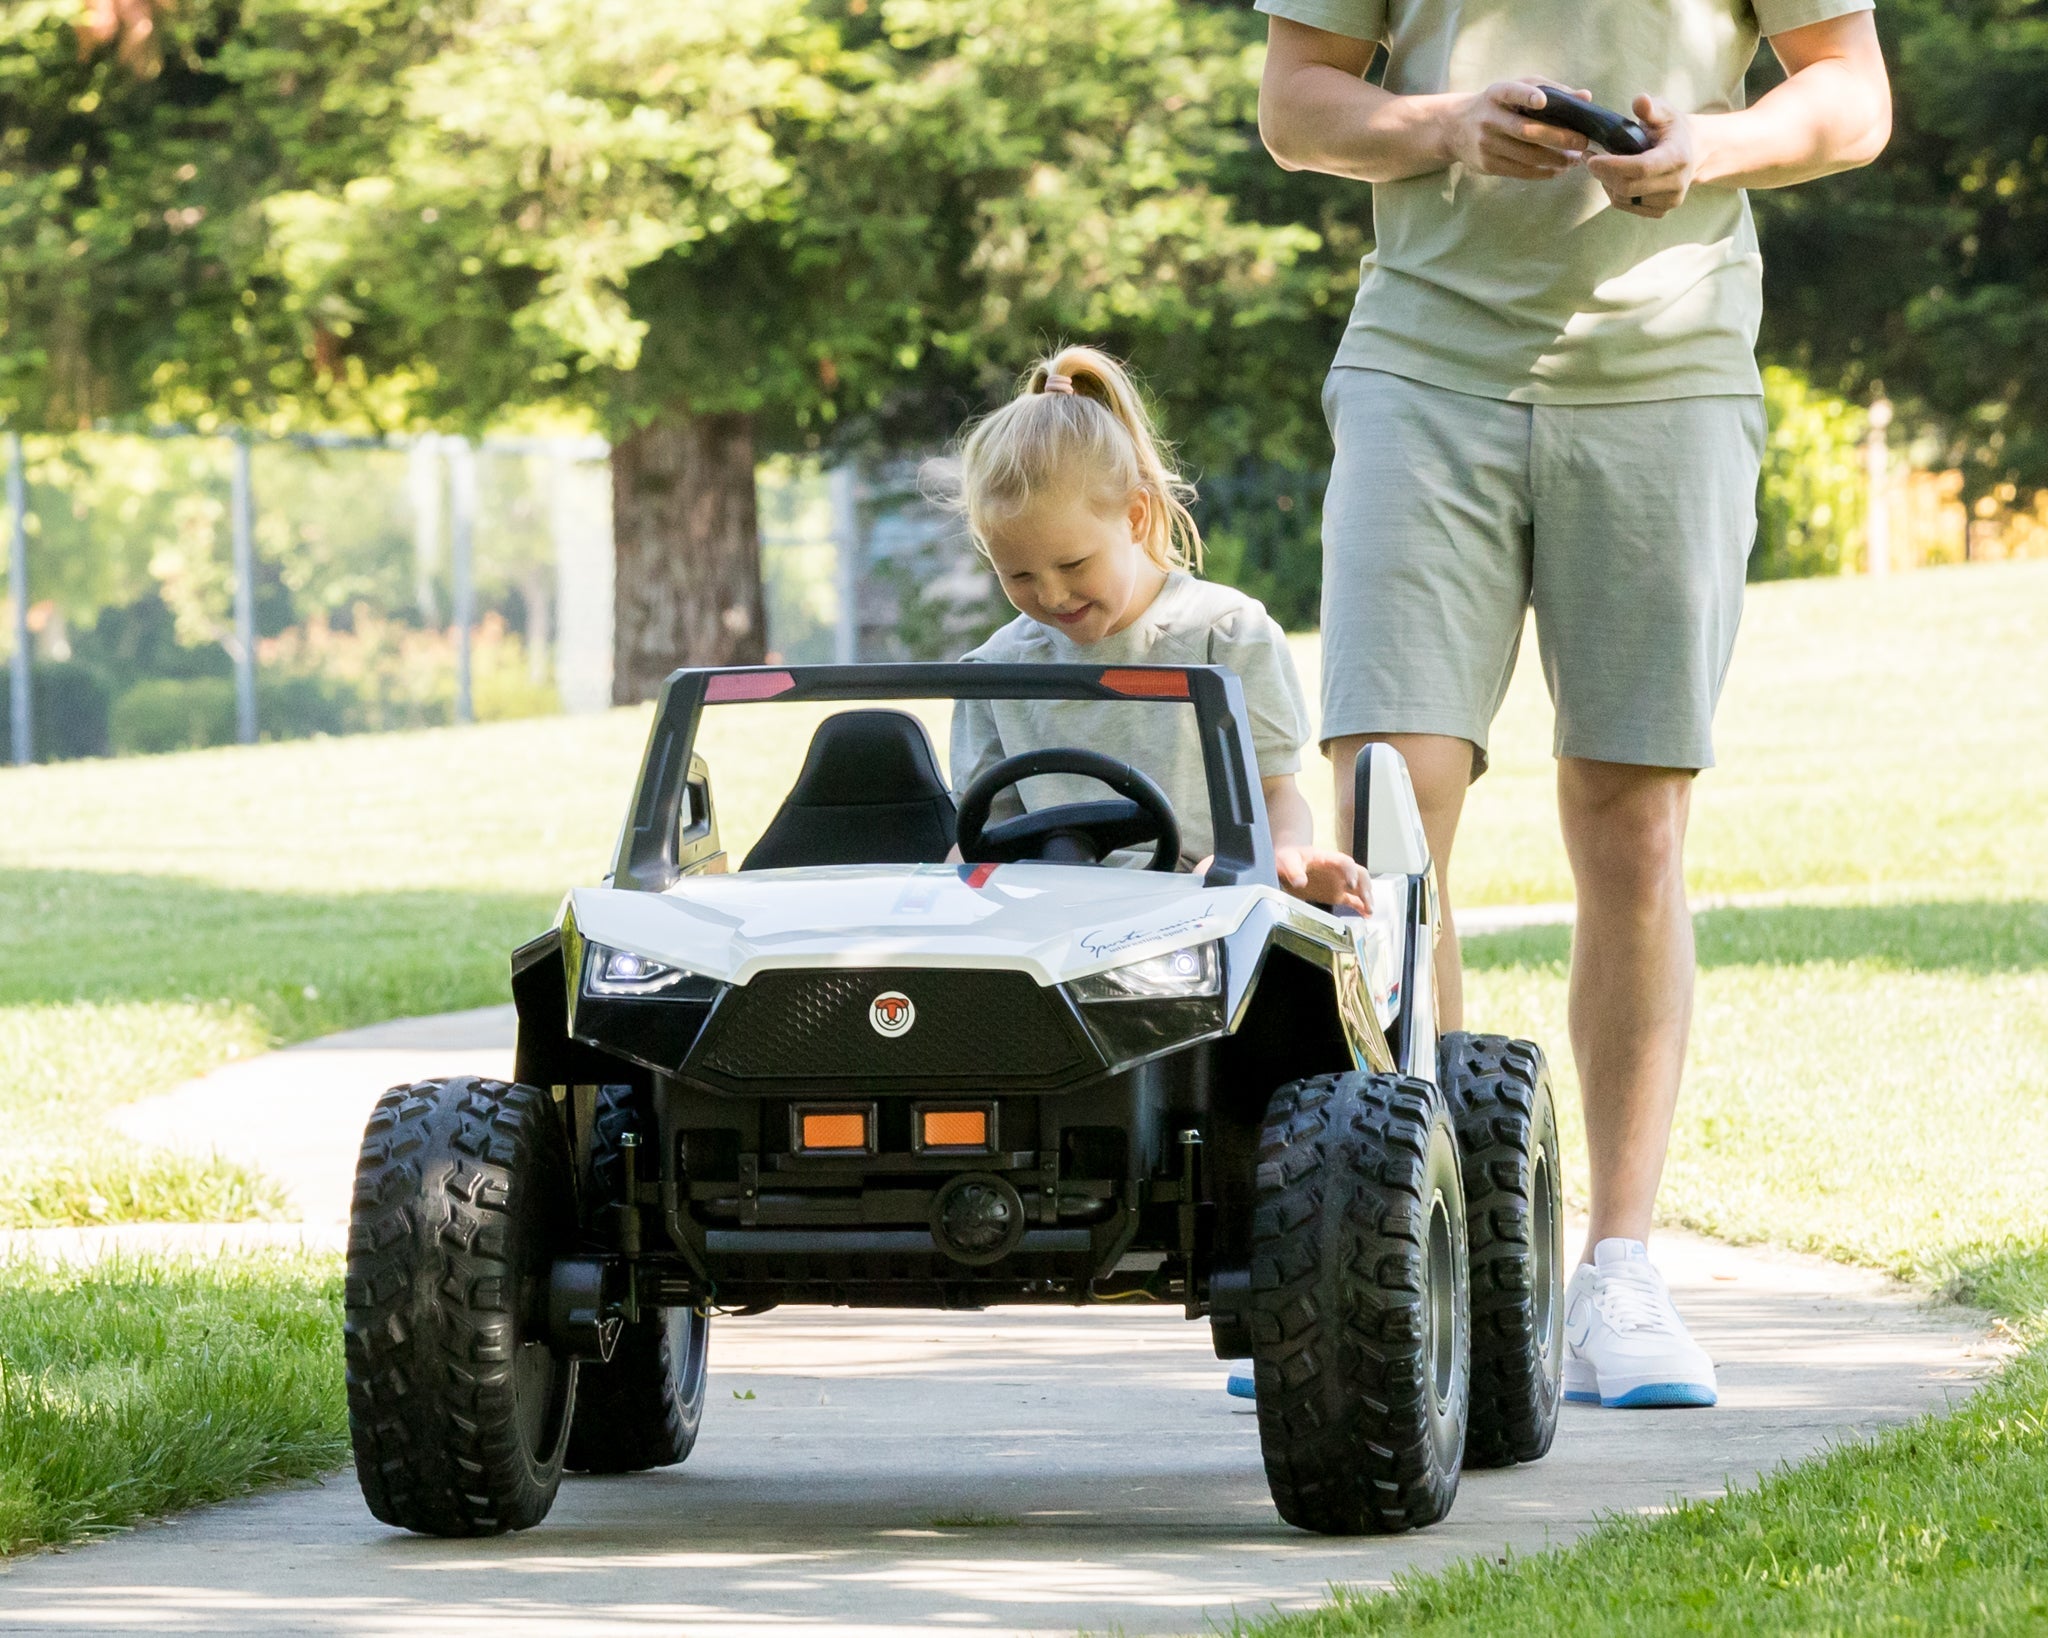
column 1055, row 382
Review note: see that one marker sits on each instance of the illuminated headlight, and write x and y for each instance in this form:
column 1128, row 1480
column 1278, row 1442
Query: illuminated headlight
column 1197, row 970
column 621, row 972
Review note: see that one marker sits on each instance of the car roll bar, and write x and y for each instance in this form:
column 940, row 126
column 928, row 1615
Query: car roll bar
column 646, row 854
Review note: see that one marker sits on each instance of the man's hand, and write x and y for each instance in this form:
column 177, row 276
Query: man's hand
column 1324, row 876
column 1493, row 135
column 1655, row 182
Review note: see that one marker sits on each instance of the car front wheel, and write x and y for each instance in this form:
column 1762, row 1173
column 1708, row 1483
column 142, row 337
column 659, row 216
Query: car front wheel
column 1361, row 1333
column 458, row 1409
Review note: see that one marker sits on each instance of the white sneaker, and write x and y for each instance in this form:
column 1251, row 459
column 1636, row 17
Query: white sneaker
column 1624, row 1344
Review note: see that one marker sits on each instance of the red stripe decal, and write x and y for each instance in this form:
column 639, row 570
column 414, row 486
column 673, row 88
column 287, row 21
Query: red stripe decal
column 730, row 687
column 1147, row 684
column 979, row 875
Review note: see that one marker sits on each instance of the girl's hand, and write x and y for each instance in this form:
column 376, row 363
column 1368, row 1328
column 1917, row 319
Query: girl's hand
column 1322, row 875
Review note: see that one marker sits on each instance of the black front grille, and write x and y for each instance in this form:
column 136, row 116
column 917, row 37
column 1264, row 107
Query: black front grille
column 815, row 1030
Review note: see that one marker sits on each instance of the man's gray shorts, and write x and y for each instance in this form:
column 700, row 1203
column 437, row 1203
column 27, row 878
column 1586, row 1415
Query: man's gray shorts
column 1627, row 526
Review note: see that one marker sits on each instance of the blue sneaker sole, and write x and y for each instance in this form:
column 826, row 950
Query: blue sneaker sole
column 1653, row 1396
column 1241, row 1387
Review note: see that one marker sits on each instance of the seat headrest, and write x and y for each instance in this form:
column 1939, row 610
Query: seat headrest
column 865, row 759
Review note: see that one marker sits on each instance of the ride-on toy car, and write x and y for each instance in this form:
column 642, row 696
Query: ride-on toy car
column 850, row 1072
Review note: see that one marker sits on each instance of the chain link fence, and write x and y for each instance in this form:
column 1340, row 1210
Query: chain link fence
column 187, row 590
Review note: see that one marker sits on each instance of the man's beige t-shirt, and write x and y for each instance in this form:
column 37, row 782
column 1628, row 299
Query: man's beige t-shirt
column 1539, row 291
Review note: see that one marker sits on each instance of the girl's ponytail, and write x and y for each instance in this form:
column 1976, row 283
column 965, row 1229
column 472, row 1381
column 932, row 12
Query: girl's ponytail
column 1079, row 420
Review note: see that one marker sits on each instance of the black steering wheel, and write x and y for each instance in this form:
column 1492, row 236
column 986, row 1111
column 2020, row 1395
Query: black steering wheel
column 1073, row 832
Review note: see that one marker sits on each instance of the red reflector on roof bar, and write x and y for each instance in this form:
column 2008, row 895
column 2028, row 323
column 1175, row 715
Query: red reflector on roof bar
column 730, row 686
column 1151, row 685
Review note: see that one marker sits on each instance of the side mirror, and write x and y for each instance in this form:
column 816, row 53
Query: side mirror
column 1386, row 825
column 697, row 849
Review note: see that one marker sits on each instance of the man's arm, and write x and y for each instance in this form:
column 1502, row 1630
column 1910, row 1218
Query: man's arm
column 1317, row 113
column 1832, row 113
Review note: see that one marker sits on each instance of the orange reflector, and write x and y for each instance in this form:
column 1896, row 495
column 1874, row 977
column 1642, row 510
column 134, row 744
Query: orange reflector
column 1147, row 684
column 956, row 1128
column 842, row 1130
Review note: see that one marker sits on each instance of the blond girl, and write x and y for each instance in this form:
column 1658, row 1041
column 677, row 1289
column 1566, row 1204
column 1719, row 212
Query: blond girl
column 1072, row 497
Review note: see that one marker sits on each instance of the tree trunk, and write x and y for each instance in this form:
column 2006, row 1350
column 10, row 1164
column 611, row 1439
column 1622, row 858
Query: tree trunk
column 688, row 549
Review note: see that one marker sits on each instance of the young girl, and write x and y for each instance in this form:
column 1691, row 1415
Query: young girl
column 1070, row 495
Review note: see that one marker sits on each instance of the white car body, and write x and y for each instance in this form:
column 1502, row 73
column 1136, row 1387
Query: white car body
column 1055, row 922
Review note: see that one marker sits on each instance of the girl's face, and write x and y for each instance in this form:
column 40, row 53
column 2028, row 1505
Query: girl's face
column 1072, row 566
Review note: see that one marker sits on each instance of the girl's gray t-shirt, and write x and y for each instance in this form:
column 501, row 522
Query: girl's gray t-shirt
column 1190, row 622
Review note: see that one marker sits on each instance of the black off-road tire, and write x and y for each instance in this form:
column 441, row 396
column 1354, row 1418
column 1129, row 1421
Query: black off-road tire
column 620, row 1109
column 643, row 1406
column 458, row 1410
column 1360, row 1330
column 1499, row 1092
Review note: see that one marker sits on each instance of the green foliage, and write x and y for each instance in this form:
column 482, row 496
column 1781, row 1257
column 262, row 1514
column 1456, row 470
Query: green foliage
column 132, row 245
column 136, row 1387
column 383, row 212
column 129, row 643
column 898, row 193
column 1811, row 497
column 1261, row 525
column 68, row 709
column 1929, row 270
column 169, row 714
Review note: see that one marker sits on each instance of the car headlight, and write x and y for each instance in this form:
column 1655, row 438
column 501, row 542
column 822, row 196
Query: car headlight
column 1196, row 970
column 621, row 972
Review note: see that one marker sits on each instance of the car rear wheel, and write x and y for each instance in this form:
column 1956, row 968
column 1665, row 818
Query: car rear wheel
column 1359, row 1322
column 642, row 1407
column 1499, row 1092
column 458, row 1409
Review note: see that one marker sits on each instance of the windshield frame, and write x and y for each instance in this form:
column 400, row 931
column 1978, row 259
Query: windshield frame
column 646, row 855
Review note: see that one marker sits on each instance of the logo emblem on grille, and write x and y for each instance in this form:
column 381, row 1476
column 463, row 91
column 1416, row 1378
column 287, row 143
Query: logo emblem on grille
column 891, row 1013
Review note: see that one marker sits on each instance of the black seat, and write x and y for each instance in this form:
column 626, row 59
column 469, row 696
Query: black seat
column 869, row 793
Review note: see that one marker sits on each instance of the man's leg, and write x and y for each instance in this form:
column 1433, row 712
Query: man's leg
column 1643, row 519
column 1631, row 976
column 1425, row 586
column 1440, row 767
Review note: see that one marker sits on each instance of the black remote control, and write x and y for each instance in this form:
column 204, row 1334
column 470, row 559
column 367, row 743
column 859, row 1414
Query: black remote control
column 1617, row 133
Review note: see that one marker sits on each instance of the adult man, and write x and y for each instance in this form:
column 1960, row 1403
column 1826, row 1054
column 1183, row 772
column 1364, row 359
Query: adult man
column 1547, row 395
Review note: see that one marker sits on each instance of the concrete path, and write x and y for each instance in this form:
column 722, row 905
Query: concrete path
column 1011, row 1472
column 298, row 1115
column 1020, row 1471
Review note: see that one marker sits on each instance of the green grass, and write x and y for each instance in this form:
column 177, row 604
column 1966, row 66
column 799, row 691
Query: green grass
column 160, row 916
column 1843, row 1056
column 1939, row 1527
column 136, row 1387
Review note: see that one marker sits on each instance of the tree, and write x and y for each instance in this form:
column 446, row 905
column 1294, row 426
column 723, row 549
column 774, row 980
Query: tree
column 736, row 225
column 716, row 228
column 1929, row 271
column 138, row 148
